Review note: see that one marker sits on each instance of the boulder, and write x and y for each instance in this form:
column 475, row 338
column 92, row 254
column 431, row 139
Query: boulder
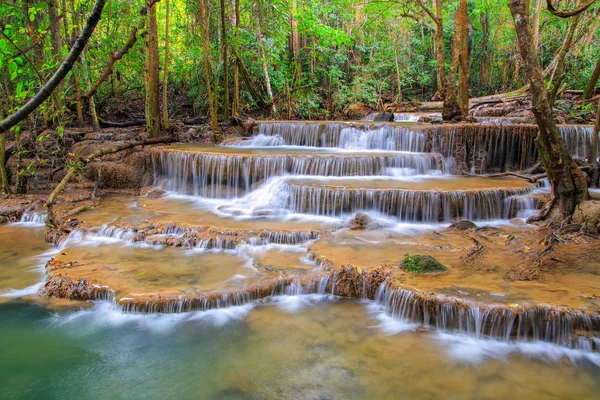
column 357, row 111
column 587, row 214
column 384, row 117
column 362, row 221
column 420, row 264
column 115, row 175
column 156, row 194
column 462, row 225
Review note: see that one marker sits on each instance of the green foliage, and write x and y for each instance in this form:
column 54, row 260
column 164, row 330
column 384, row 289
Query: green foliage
column 351, row 51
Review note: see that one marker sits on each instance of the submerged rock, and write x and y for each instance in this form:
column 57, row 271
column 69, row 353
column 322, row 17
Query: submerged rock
column 156, row 194
column 362, row 221
column 421, row 264
column 462, row 225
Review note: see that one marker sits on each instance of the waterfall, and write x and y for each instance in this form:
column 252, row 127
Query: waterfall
column 578, row 139
column 33, row 218
column 561, row 326
column 407, row 205
column 375, row 136
column 398, row 117
column 230, row 176
column 392, row 138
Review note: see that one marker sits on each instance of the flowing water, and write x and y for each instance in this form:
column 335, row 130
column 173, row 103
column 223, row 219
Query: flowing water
column 229, row 236
column 288, row 348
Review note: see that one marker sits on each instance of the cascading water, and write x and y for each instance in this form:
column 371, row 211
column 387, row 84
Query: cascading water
column 374, row 136
column 231, row 175
column 405, row 204
column 539, row 323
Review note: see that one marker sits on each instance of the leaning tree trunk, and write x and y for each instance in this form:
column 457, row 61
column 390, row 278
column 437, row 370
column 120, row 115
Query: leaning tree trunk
column 591, row 86
column 569, row 186
column 559, row 73
column 152, row 73
column 67, row 65
column 452, row 110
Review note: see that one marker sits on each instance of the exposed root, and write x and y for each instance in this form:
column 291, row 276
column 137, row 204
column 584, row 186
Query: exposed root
column 476, row 251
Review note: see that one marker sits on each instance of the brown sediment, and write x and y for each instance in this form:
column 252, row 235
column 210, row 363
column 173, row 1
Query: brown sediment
column 569, row 272
column 560, row 324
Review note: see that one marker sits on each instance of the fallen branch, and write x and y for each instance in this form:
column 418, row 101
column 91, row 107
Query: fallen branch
column 196, row 121
column 528, row 178
column 116, row 56
column 82, row 162
column 134, row 122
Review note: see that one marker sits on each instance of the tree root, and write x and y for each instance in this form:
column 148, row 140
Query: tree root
column 476, row 251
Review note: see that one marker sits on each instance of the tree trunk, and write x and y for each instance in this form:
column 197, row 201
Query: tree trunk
column 116, row 56
column 464, row 65
column 4, row 186
column 294, row 42
column 224, row 49
column 263, row 58
column 560, row 66
column 72, row 35
column 484, row 21
column 91, row 102
column 236, row 67
column 593, row 157
column 67, row 65
column 152, row 73
column 591, row 86
column 569, row 187
column 398, row 77
column 536, row 23
column 214, row 121
column 56, row 41
column 440, row 49
column 165, row 109
column 452, row 110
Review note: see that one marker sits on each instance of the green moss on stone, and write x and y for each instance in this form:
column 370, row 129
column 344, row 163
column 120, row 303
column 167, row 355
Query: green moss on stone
column 420, row 264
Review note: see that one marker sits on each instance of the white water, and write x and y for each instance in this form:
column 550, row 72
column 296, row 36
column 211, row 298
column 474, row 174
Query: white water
column 32, row 219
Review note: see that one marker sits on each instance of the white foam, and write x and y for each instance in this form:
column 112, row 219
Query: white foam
column 32, row 220
column 472, row 350
column 28, row 291
column 388, row 325
column 294, row 303
column 106, row 314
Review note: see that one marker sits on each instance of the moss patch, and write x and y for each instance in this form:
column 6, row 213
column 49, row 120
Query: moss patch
column 422, row 265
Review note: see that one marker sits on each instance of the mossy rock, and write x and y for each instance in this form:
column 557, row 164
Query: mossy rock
column 420, row 264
